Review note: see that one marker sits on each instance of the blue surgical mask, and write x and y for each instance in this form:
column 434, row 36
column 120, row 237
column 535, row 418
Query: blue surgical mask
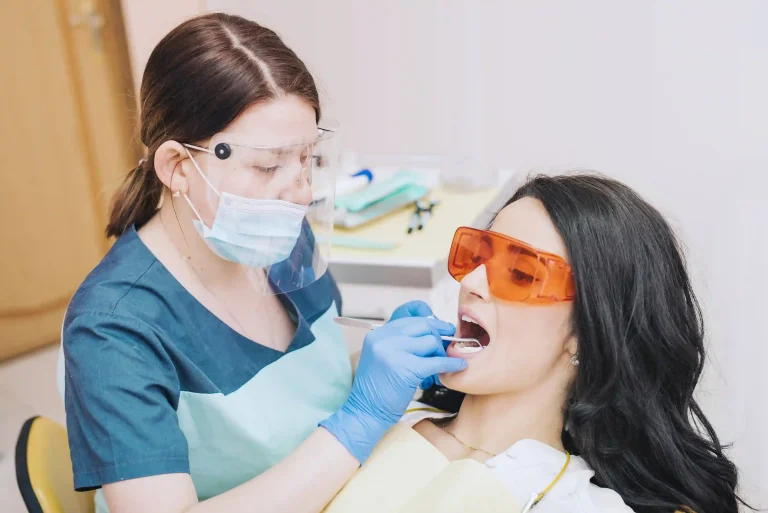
column 253, row 232
column 256, row 233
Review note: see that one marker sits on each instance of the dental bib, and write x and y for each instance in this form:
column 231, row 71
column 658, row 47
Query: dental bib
column 407, row 474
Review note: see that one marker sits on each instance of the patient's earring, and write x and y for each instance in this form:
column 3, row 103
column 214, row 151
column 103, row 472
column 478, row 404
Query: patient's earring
column 176, row 194
column 575, row 359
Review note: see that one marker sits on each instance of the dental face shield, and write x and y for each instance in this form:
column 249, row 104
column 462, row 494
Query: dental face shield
column 515, row 270
column 258, row 210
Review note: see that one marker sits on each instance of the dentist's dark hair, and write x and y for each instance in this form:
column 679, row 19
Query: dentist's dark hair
column 631, row 413
column 198, row 79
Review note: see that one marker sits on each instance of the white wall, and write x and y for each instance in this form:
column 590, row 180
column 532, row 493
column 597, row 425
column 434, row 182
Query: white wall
column 667, row 96
column 147, row 21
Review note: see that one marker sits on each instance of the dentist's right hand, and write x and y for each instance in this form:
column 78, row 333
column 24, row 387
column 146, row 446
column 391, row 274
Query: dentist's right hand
column 396, row 358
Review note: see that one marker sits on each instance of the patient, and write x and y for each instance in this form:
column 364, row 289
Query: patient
column 582, row 397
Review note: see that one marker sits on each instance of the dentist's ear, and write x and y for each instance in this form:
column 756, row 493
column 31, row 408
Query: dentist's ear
column 169, row 158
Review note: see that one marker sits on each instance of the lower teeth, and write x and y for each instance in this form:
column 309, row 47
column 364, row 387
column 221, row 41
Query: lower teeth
column 468, row 349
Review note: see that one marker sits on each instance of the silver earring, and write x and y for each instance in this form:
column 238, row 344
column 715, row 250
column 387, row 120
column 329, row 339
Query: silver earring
column 575, row 359
column 176, row 194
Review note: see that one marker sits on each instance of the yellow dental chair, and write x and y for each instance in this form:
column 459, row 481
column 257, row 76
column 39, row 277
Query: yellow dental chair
column 44, row 470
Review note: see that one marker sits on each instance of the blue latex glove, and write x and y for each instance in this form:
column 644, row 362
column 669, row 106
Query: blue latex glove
column 417, row 309
column 395, row 360
column 412, row 309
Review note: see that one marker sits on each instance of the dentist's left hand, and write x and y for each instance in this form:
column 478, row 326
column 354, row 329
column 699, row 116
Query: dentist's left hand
column 395, row 360
column 417, row 309
column 412, row 309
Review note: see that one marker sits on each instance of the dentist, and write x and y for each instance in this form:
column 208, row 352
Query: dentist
column 200, row 355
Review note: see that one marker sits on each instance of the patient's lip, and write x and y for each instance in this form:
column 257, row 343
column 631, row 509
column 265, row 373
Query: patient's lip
column 453, row 352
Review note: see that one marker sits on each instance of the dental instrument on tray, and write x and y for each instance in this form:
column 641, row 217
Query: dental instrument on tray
column 425, row 211
column 413, row 223
column 468, row 343
column 421, row 215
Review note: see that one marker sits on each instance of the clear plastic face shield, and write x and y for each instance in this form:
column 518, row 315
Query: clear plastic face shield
column 266, row 210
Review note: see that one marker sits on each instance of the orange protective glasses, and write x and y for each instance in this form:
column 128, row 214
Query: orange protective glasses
column 516, row 271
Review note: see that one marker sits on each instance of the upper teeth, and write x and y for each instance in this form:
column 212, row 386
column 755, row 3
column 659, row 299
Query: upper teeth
column 467, row 318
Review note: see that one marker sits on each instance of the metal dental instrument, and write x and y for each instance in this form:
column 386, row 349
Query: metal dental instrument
column 358, row 323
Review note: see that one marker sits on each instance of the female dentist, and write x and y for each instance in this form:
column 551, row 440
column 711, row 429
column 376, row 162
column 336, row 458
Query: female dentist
column 200, row 354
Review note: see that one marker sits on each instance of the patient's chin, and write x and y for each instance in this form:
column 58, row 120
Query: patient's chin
column 461, row 381
column 477, row 379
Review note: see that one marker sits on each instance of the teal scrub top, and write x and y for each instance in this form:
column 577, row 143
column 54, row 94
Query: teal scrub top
column 156, row 384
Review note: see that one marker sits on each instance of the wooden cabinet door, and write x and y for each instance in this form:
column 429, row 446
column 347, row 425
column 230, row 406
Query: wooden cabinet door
column 55, row 133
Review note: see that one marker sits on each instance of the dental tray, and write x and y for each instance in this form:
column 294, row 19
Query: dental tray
column 378, row 191
column 406, row 195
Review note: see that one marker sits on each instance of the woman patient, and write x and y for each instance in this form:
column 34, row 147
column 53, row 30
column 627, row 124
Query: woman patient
column 581, row 399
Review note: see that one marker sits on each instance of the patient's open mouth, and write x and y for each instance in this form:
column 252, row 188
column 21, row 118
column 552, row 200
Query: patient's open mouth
column 470, row 328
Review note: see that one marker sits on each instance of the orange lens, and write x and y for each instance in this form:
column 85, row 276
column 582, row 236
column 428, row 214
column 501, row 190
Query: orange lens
column 515, row 270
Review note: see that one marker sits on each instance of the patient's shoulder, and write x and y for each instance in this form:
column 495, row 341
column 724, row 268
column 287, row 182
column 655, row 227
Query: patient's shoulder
column 600, row 500
column 529, row 467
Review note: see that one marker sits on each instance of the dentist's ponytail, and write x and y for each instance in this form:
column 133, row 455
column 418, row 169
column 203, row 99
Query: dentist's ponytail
column 136, row 201
column 199, row 78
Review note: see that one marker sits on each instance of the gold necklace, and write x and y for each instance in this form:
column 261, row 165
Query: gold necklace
column 535, row 497
column 462, row 443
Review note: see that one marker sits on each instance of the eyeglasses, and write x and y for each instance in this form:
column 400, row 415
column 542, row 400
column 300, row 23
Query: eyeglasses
column 230, row 163
column 516, row 271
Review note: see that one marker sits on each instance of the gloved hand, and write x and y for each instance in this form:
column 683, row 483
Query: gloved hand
column 395, row 360
column 417, row 309
column 412, row 309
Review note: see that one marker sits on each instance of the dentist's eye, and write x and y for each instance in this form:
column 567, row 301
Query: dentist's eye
column 267, row 170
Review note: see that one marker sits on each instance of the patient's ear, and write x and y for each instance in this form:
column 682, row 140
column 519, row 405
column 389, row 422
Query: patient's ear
column 571, row 346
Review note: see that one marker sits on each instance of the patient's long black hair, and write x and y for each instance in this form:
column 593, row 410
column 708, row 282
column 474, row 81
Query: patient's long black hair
column 631, row 413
